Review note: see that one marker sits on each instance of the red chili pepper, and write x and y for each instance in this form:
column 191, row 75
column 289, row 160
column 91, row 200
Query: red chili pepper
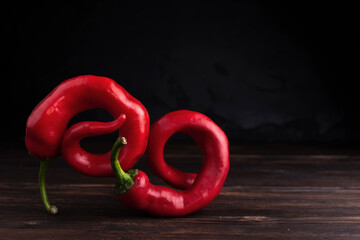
column 46, row 126
column 134, row 189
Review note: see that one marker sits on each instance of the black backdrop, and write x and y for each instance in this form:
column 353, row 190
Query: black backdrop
column 263, row 71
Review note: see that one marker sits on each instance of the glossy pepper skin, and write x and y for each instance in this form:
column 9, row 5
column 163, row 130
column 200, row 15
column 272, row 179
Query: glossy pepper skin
column 46, row 125
column 199, row 191
column 183, row 121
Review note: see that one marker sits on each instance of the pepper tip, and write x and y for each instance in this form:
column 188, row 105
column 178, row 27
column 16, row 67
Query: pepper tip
column 53, row 210
column 123, row 140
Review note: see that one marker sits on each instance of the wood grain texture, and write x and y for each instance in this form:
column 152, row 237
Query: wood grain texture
column 269, row 194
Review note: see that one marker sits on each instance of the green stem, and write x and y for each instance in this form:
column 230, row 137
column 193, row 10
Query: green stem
column 124, row 180
column 44, row 164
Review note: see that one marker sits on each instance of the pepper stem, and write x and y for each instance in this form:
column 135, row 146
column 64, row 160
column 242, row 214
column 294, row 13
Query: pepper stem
column 44, row 164
column 124, row 180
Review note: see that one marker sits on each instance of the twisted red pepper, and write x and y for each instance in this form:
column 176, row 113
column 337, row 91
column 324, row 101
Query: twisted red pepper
column 134, row 189
column 46, row 126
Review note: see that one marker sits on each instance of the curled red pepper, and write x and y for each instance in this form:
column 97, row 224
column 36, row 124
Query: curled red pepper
column 46, row 135
column 134, row 189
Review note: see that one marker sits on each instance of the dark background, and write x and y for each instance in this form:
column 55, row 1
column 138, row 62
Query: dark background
column 263, row 71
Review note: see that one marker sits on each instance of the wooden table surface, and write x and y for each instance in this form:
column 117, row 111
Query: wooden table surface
column 272, row 192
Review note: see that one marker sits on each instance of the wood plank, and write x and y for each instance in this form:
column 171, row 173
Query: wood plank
column 266, row 196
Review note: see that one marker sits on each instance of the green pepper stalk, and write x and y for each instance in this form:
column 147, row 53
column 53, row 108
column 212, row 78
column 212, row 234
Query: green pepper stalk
column 44, row 164
column 124, row 180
